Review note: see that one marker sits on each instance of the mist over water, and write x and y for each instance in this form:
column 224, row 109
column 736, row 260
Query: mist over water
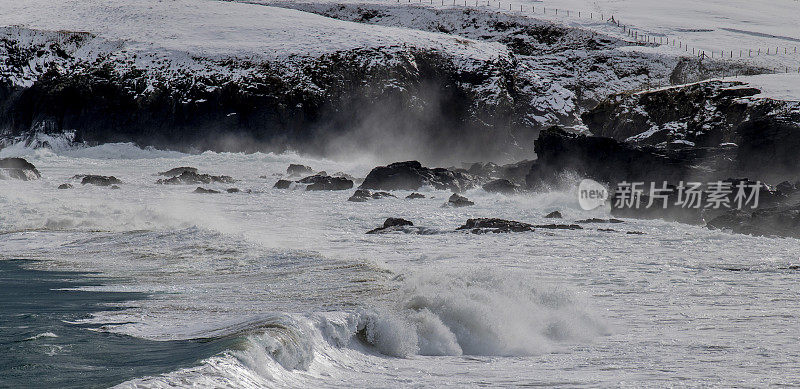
column 307, row 299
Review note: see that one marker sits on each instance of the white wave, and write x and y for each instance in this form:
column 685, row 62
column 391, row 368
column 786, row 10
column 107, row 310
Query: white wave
column 43, row 335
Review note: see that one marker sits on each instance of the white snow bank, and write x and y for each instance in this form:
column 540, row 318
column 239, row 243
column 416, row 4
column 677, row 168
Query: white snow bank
column 225, row 29
column 774, row 86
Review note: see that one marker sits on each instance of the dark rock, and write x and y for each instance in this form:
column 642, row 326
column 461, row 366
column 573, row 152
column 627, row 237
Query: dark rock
column 114, row 186
column 634, row 233
column 493, row 225
column 282, row 184
column 554, row 215
column 787, row 187
column 232, row 190
column 415, row 195
column 411, row 175
column 596, row 220
column 559, row 226
column 65, row 186
column 344, row 175
column 299, row 170
column 193, row 178
column 178, row 171
column 391, row 224
column 764, row 133
column 205, row 191
column 320, row 182
column 501, row 186
column 606, row 230
column 458, row 201
column 19, row 169
column 362, row 195
column 776, row 221
column 99, row 180
column 603, row 159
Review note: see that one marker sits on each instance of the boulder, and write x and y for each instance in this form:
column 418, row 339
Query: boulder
column 324, row 182
column 501, row 185
column 18, row 169
column 205, row 191
column 65, row 186
column 493, row 225
column 554, row 215
column 457, row 200
column 299, row 170
column 232, row 190
column 391, row 224
column 362, row 195
column 178, row 171
column 99, row 180
column 282, row 184
column 193, row 178
column 411, row 175
column 415, row 195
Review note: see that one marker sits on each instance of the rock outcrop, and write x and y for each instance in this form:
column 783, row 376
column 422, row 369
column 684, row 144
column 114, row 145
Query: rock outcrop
column 493, row 225
column 391, row 224
column 99, row 180
column 189, row 177
column 18, row 169
column 457, row 201
column 501, row 186
column 324, row 182
column 411, row 175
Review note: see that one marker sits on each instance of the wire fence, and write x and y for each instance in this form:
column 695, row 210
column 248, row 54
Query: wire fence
column 636, row 35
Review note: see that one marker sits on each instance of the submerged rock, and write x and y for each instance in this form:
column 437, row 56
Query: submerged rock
column 232, row 190
column 558, row 226
column 178, row 171
column 411, row 175
column 457, row 200
column 553, row 215
column 493, row 225
column 65, row 186
column 501, row 186
column 391, row 224
column 205, row 191
column 18, row 169
column 324, row 182
column 99, row 180
column 596, row 220
column 415, row 195
column 188, row 177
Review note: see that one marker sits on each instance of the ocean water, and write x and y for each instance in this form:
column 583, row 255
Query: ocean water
column 161, row 287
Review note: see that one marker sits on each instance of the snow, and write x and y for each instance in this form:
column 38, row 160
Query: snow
column 222, row 29
column 774, row 86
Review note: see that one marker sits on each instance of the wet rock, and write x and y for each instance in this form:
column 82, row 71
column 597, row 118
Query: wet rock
column 322, row 182
column 776, row 221
column 362, row 195
column 391, row 224
column 634, row 233
column 194, row 178
column 603, row 159
column 457, row 200
column 606, row 230
column 558, row 226
column 493, row 225
column 553, row 215
column 282, row 184
column 232, row 190
column 114, row 186
column 415, row 195
column 501, row 186
column 178, row 171
column 411, row 175
column 596, row 220
column 205, row 191
column 65, row 186
column 99, row 180
column 299, row 170
column 18, row 169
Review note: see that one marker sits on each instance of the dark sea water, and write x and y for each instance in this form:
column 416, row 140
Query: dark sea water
column 34, row 306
